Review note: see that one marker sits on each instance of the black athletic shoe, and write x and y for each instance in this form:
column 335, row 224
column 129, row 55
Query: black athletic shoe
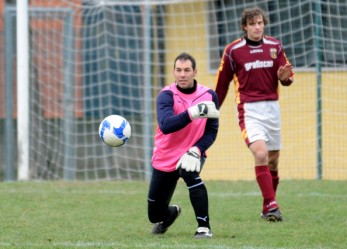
column 162, row 227
column 203, row 233
column 272, row 216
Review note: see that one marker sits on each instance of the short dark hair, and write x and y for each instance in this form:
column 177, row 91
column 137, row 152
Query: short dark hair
column 251, row 13
column 185, row 56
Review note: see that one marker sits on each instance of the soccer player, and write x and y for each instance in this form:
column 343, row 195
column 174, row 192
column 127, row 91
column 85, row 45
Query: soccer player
column 187, row 115
column 257, row 63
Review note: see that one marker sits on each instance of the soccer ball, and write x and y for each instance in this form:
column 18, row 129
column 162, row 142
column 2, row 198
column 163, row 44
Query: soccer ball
column 114, row 130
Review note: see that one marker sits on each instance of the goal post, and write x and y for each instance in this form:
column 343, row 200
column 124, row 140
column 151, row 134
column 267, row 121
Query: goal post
column 23, row 89
column 318, row 45
column 22, row 15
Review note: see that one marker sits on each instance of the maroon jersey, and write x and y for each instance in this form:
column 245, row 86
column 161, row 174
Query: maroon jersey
column 253, row 67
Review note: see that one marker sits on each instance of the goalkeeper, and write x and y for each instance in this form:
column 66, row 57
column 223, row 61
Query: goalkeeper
column 187, row 115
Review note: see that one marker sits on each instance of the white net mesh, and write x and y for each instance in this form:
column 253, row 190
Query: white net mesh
column 90, row 59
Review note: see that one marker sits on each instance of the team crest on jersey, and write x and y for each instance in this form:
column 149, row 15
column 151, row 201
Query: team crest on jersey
column 273, row 53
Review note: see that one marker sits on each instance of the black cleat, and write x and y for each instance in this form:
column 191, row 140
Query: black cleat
column 162, row 227
column 272, row 216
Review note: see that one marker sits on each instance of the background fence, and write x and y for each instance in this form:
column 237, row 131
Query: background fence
column 89, row 59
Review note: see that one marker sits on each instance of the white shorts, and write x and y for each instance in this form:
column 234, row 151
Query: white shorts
column 261, row 121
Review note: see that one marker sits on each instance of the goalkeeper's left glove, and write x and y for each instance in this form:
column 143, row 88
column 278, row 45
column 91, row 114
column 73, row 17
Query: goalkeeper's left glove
column 205, row 109
column 190, row 161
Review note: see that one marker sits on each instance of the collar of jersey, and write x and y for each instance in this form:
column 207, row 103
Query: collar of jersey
column 188, row 90
column 253, row 43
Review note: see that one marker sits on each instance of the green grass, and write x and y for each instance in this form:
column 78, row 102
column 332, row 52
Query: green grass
column 114, row 215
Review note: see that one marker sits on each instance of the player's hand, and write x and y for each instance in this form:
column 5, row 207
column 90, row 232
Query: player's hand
column 205, row 109
column 285, row 72
column 190, row 161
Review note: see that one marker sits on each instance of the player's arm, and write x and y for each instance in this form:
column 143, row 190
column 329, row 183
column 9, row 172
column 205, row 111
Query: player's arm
column 285, row 72
column 190, row 161
column 224, row 77
column 167, row 120
column 211, row 130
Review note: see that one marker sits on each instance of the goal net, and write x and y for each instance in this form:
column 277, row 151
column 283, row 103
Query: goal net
column 90, row 59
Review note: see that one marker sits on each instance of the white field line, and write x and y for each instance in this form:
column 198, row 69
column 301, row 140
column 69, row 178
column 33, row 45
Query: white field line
column 134, row 192
column 82, row 244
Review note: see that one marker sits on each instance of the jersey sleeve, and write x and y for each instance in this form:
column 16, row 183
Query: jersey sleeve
column 282, row 61
column 167, row 120
column 224, row 77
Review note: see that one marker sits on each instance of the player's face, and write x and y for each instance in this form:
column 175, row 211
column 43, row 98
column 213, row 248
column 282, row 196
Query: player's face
column 184, row 74
column 255, row 28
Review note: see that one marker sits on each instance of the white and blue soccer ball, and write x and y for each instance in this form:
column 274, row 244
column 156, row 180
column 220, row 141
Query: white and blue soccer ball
column 114, row 130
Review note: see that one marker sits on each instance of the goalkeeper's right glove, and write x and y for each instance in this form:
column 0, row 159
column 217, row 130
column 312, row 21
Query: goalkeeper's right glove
column 205, row 109
column 190, row 161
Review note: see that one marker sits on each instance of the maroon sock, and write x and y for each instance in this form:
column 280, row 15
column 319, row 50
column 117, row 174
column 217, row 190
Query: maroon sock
column 275, row 179
column 264, row 180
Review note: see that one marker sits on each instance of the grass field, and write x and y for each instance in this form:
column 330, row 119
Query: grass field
column 114, row 215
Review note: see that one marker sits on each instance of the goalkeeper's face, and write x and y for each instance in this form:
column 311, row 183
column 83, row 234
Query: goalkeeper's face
column 184, row 74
